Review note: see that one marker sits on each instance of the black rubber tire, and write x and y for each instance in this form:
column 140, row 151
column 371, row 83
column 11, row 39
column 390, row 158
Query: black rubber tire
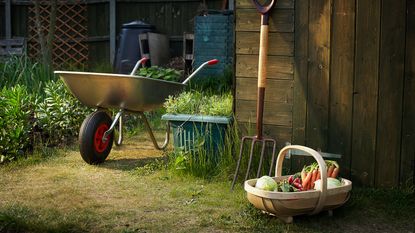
column 87, row 145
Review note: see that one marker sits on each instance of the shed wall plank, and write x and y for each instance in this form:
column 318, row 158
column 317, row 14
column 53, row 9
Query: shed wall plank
column 365, row 92
column 391, row 73
column 281, row 20
column 407, row 169
column 280, row 44
column 278, row 67
column 341, row 82
column 300, row 71
column 318, row 74
column 246, row 112
column 280, row 91
column 280, row 4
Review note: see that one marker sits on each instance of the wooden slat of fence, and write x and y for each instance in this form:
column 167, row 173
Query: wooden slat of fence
column 407, row 171
column 246, row 112
column 300, row 72
column 391, row 73
column 279, row 67
column 280, row 133
column 280, row 91
column 300, row 80
column 365, row 91
column 281, row 20
column 281, row 44
column 318, row 74
column 341, row 82
column 280, row 4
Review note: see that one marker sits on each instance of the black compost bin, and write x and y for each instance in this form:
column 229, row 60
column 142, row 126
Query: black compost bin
column 128, row 51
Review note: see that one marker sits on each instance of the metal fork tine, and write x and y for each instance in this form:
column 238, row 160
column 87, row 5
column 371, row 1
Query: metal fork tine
column 274, row 147
column 239, row 162
column 261, row 158
column 251, row 154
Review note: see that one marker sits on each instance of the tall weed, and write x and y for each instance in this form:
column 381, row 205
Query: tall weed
column 23, row 71
column 205, row 158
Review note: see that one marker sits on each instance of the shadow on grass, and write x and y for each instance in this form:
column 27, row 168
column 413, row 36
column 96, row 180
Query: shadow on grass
column 129, row 164
column 25, row 220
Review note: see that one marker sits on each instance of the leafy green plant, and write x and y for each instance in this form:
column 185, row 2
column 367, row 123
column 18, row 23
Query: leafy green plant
column 16, row 122
column 60, row 114
column 198, row 103
column 156, row 72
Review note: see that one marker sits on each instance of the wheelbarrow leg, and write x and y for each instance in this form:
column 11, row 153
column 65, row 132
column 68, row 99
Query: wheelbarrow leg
column 150, row 133
column 120, row 135
column 117, row 119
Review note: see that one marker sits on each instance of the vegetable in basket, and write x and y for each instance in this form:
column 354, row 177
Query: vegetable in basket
column 331, row 183
column 266, row 183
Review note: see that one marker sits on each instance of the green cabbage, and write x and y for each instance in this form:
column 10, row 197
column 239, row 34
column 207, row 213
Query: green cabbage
column 266, row 183
column 331, row 183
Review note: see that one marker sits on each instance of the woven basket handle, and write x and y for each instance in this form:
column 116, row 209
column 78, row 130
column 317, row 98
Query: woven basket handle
column 322, row 167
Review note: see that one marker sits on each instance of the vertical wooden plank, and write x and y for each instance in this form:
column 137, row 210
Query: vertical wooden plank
column 391, row 73
column 113, row 22
column 8, row 19
column 365, row 91
column 318, row 74
column 341, row 81
column 300, row 78
column 408, row 125
column 300, row 71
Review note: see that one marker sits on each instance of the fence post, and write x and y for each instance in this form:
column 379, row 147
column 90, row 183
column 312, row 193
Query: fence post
column 113, row 19
column 8, row 19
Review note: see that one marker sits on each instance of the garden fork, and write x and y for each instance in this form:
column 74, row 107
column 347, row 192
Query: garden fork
column 262, row 73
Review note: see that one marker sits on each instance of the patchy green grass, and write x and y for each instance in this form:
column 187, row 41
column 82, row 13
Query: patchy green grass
column 56, row 191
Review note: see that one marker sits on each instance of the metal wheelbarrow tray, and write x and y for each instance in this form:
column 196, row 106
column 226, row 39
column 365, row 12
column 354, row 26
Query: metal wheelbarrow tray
column 285, row 205
column 119, row 91
column 127, row 94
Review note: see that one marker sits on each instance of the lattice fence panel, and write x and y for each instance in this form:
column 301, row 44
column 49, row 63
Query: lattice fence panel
column 69, row 45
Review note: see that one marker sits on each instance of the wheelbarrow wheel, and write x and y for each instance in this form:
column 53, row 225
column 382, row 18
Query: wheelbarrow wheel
column 93, row 149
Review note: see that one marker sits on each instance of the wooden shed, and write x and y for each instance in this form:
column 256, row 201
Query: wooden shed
column 341, row 78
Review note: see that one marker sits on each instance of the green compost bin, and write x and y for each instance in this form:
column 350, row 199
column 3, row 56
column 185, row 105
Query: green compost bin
column 192, row 131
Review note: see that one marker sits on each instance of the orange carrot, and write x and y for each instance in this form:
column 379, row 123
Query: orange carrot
column 318, row 175
column 335, row 172
column 307, row 179
column 303, row 174
column 330, row 170
column 313, row 178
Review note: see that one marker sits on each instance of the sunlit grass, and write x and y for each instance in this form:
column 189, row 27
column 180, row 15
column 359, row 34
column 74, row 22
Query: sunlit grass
column 133, row 191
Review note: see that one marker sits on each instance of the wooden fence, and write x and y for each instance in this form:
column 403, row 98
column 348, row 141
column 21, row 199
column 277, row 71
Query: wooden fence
column 341, row 79
column 171, row 17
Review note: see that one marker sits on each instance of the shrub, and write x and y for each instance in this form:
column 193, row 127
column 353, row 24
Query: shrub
column 198, row 103
column 60, row 114
column 16, row 122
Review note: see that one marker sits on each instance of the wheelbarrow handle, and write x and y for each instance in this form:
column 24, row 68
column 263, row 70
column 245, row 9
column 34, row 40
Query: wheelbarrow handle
column 139, row 62
column 210, row 62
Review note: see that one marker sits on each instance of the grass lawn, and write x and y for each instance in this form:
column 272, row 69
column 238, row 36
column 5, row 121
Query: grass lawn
column 130, row 193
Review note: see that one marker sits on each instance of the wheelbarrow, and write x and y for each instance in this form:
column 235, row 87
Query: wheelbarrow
column 125, row 93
